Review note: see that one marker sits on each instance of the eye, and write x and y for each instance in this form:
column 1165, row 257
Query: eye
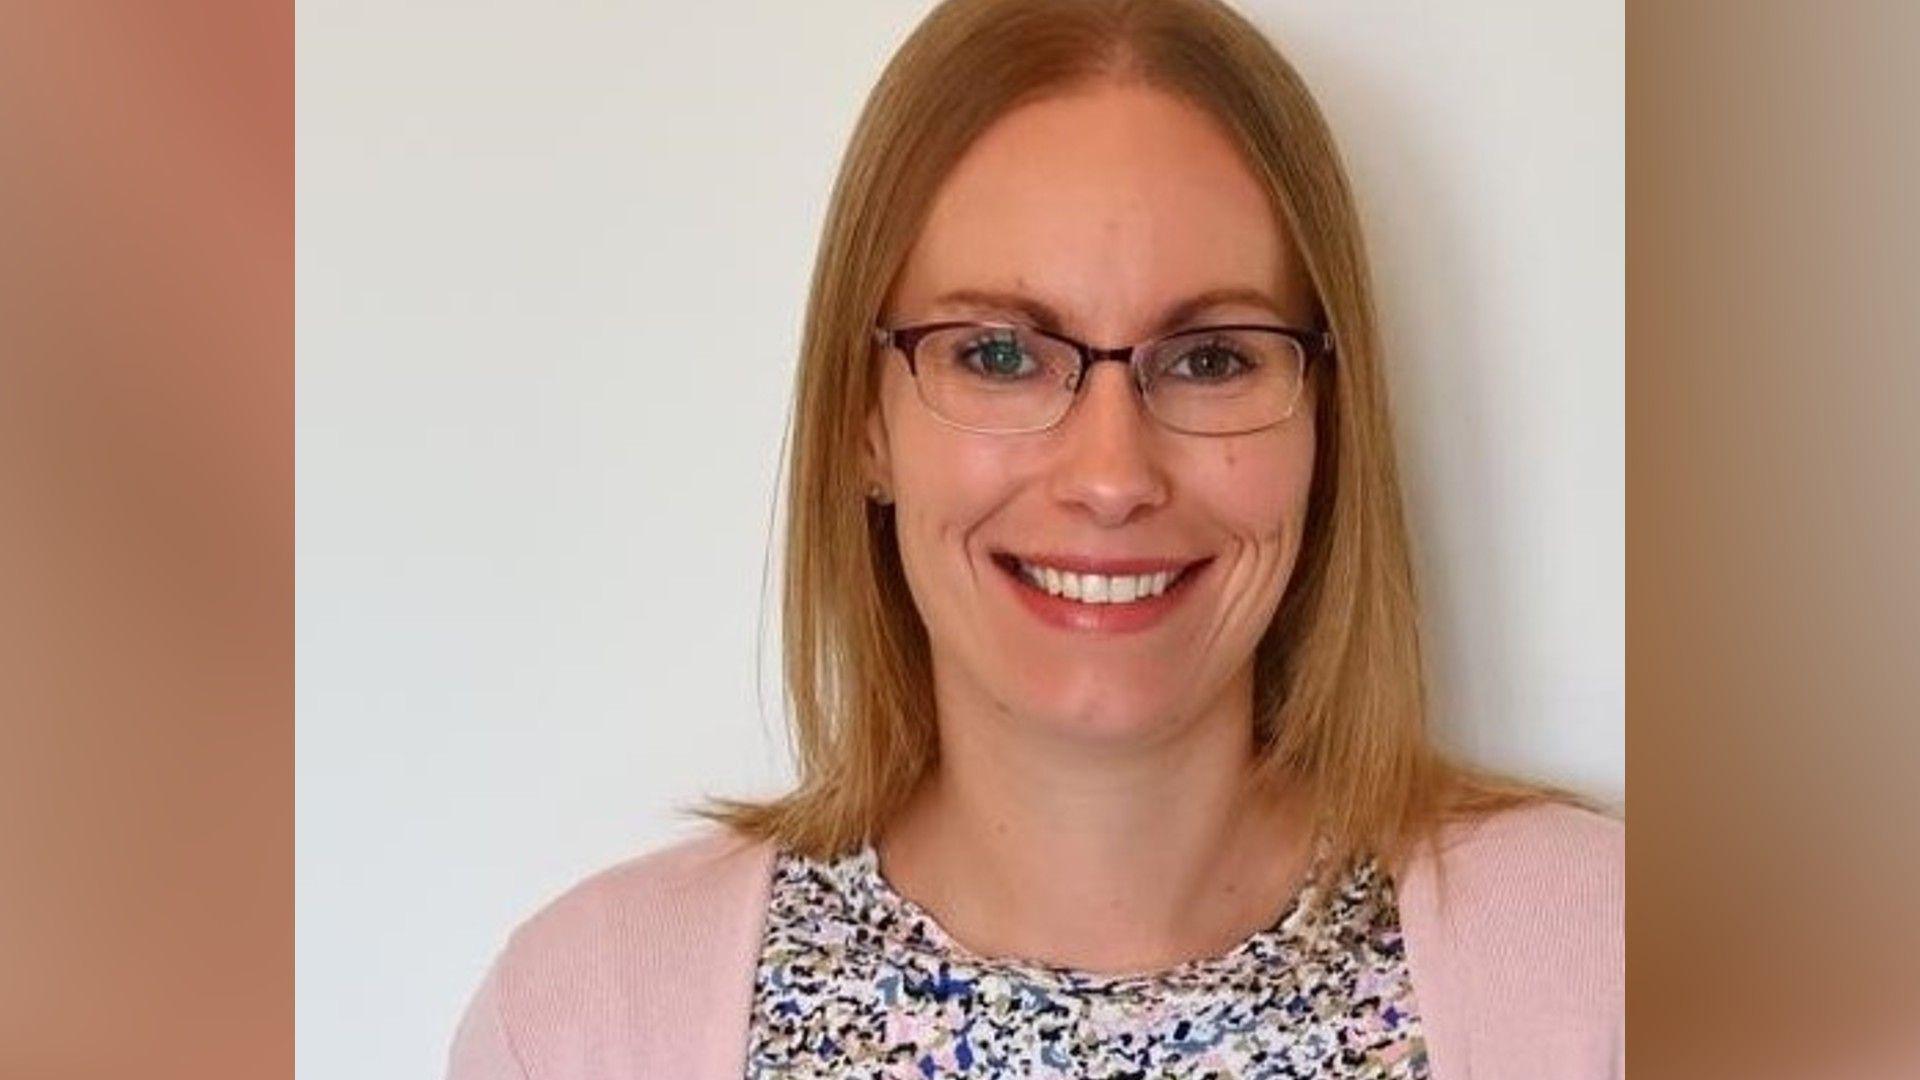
column 998, row 354
column 1212, row 361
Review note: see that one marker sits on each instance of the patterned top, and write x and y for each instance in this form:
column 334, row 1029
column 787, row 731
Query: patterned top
column 856, row 981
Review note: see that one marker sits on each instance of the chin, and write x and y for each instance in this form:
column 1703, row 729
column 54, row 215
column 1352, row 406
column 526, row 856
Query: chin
column 1103, row 704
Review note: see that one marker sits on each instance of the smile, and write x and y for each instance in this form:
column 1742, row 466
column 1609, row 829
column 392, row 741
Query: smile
column 1092, row 588
column 1099, row 594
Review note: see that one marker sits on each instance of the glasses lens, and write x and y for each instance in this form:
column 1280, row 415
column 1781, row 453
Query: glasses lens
column 995, row 378
column 1223, row 382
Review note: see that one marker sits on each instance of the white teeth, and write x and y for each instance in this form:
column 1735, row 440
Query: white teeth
column 1098, row 588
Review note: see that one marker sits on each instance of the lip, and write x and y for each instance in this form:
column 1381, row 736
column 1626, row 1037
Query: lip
column 1127, row 618
column 1096, row 564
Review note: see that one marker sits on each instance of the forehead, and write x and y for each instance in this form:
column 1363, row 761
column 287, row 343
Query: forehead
column 1110, row 205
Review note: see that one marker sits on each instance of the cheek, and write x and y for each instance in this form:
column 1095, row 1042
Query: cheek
column 1257, row 485
column 944, row 474
column 946, row 482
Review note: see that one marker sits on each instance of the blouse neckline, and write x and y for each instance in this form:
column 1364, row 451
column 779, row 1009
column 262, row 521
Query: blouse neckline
column 904, row 924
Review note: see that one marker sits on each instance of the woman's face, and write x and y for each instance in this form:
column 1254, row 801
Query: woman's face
column 1111, row 207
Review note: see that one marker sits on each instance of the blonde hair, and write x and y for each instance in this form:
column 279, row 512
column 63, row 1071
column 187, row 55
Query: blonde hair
column 1339, row 692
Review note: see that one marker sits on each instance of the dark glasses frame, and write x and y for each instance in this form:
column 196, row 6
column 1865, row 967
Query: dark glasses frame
column 1314, row 345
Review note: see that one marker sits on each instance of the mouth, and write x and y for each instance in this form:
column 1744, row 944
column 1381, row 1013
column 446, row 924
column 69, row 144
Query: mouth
column 1099, row 582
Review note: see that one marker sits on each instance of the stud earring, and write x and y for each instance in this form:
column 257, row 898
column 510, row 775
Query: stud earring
column 878, row 494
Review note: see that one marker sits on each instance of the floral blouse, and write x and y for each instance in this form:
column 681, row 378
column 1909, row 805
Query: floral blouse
column 856, row 981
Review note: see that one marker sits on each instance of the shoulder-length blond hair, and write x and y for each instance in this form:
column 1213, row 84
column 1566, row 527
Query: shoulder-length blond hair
column 1339, row 698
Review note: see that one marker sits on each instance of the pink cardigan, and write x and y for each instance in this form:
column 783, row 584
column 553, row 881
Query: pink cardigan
column 645, row 970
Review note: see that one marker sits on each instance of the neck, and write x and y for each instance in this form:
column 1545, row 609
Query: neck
column 1122, row 856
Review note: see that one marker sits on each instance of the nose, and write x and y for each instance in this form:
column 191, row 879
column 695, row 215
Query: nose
column 1109, row 466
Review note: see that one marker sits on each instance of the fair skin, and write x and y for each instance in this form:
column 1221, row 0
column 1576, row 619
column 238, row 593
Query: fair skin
column 1091, row 805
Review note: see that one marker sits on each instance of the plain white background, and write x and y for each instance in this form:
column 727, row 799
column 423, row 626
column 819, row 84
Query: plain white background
column 552, row 263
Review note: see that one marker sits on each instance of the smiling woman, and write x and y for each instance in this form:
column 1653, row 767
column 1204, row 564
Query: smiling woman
column 1105, row 678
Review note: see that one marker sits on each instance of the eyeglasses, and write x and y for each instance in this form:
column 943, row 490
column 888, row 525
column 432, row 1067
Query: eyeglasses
column 1006, row 378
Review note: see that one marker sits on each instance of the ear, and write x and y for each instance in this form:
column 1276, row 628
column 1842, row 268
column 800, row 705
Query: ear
column 877, row 450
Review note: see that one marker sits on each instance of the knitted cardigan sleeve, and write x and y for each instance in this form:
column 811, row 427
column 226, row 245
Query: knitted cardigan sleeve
column 482, row 1049
column 642, row 970
column 1516, row 940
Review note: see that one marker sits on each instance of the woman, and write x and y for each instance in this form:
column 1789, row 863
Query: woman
column 1104, row 676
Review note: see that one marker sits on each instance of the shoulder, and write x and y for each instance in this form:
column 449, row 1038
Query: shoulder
column 642, row 899
column 1547, row 852
column 1538, row 890
column 602, row 976
column 1515, row 927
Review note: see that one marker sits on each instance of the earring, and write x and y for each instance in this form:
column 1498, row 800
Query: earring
column 878, row 494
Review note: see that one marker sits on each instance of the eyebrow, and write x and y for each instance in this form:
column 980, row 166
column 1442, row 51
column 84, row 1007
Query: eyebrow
column 1046, row 317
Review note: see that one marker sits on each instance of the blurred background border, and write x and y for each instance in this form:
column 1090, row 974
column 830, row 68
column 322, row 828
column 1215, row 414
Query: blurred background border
column 146, row 552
